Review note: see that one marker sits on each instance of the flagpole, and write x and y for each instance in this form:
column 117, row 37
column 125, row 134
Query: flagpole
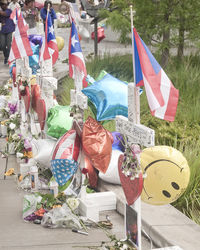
column 133, row 54
column 136, row 91
column 137, row 204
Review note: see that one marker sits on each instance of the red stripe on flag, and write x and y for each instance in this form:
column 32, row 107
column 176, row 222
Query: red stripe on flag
column 15, row 49
column 172, row 104
column 53, row 45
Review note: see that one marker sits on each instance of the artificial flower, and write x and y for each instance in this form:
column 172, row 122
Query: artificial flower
column 55, row 206
column 19, row 155
column 10, row 172
column 21, row 87
column 73, row 203
column 27, row 145
column 20, row 178
column 15, row 137
column 12, row 107
column 28, row 154
column 12, row 126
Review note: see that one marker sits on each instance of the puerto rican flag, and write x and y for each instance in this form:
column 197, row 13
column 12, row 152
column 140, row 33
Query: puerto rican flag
column 162, row 96
column 49, row 47
column 76, row 59
column 20, row 44
column 16, row 12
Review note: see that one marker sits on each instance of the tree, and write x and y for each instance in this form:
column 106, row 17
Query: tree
column 161, row 23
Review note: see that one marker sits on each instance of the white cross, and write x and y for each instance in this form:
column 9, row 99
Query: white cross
column 77, row 97
column 137, row 134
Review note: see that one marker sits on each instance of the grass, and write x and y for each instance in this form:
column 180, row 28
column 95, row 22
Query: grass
column 183, row 134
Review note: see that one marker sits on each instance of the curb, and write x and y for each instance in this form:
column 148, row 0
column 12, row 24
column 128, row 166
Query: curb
column 164, row 225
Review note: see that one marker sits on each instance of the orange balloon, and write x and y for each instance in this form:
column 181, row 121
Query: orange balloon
column 96, row 144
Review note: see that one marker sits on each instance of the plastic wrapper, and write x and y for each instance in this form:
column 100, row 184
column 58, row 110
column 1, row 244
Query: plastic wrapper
column 96, row 144
column 3, row 101
column 30, row 204
column 32, row 217
column 60, row 217
column 42, row 150
column 59, row 121
column 109, row 96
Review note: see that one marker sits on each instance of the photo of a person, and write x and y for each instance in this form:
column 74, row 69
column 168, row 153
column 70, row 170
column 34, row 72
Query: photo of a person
column 131, row 225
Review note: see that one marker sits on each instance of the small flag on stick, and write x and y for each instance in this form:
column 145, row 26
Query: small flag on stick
column 20, row 46
column 76, row 59
column 49, row 47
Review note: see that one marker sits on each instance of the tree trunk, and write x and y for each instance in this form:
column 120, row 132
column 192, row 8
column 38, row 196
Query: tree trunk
column 181, row 37
column 165, row 51
column 166, row 38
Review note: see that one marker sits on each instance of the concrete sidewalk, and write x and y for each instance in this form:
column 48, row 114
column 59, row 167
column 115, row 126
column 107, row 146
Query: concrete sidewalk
column 17, row 234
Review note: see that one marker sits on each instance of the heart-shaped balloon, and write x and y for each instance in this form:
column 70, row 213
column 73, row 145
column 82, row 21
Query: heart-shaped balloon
column 132, row 188
column 27, row 99
column 35, row 92
column 41, row 112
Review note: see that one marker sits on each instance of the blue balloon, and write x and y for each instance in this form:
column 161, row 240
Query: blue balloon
column 110, row 97
column 34, row 59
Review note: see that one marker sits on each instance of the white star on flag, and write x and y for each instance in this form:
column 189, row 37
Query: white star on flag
column 74, row 41
column 51, row 30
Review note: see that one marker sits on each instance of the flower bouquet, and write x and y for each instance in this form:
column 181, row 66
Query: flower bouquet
column 22, row 88
column 130, row 172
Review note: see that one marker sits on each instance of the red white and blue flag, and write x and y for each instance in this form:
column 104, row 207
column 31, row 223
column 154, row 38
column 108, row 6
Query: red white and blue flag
column 20, row 46
column 49, row 47
column 76, row 59
column 162, row 96
column 16, row 12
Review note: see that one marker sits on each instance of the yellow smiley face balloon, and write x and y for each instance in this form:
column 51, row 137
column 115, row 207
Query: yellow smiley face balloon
column 167, row 173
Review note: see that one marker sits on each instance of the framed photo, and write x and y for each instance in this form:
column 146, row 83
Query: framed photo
column 131, row 225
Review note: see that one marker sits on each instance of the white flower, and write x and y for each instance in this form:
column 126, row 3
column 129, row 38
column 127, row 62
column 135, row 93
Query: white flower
column 12, row 126
column 21, row 87
column 5, row 86
column 15, row 137
column 73, row 203
column 12, row 116
column 19, row 155
column 125, row 247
